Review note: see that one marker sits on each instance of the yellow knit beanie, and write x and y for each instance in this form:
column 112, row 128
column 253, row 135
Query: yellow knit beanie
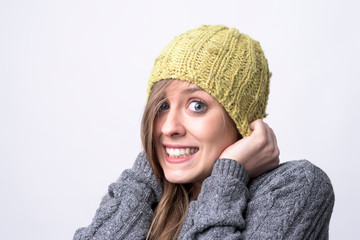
column 227, row 64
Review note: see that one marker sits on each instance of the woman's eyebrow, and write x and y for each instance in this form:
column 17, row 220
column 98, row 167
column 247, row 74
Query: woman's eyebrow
column 191, row 90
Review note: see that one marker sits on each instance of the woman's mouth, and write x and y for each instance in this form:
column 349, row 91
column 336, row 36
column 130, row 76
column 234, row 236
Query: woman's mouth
column 179, row 154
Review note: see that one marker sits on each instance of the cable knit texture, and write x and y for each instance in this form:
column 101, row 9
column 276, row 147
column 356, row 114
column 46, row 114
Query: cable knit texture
column 125, row 212
column 293, row 201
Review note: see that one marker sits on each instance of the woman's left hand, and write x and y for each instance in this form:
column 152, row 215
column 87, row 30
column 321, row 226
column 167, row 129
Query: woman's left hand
column 258, row 152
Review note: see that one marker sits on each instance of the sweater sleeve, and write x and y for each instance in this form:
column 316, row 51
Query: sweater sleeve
column 293, row 201
column 218, row 211
column 126, row 211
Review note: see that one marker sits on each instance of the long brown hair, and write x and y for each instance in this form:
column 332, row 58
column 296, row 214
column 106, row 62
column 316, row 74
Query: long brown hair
column 170, row 212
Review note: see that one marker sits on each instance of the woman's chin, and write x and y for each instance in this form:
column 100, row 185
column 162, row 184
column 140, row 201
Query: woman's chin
column 178, row 177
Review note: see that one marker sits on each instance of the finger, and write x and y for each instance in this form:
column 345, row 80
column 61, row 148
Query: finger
column 275, row 146
column 277, row 150
column 257, row 125
column 268, row 138
column 273, row 135
column 269, row 133
column 276, row 162
column 260, row 134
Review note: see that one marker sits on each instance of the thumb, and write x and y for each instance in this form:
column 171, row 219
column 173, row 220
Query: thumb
column 256, row 124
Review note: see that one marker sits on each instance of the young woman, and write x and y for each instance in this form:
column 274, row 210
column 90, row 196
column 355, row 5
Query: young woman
column 210, row 166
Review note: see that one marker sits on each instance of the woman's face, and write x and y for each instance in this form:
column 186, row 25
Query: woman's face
column 190, row 132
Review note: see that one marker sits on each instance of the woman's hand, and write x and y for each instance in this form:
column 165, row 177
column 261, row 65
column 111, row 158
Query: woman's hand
column 258, row 152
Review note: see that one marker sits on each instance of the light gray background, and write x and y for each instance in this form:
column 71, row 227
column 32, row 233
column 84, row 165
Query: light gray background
column 72, row 90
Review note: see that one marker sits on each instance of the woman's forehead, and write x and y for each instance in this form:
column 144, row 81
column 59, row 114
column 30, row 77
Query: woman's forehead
column 180, row 84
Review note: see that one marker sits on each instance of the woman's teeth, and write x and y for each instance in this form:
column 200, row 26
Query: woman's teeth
column 180, row 152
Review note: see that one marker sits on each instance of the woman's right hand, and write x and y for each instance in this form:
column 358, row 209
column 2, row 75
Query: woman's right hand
column 258, row 152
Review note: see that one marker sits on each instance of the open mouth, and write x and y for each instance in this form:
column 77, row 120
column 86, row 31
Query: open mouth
column 173, row 152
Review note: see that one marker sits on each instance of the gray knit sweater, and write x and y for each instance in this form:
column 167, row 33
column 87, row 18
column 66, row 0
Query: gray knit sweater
column 293, row 201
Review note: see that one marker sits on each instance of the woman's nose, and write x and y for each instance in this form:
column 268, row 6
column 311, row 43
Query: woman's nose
column 173, row 125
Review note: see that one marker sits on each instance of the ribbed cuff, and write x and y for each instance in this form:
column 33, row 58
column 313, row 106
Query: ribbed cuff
column 231, row 168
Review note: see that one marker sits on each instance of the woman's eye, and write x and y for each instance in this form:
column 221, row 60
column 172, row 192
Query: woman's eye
column 197, row 106
column 164, row 106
